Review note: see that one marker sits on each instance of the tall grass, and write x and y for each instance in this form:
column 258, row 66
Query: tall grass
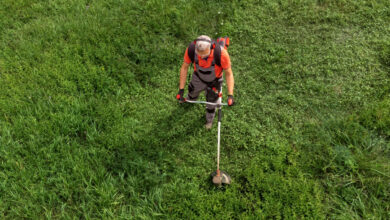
column 89, row 127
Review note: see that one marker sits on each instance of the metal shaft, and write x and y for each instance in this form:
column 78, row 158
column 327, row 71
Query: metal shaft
column 203, row 102
column 219, row 129
column 219, row 138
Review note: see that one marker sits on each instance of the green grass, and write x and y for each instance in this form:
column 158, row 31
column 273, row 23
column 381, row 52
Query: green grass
column 90, row 128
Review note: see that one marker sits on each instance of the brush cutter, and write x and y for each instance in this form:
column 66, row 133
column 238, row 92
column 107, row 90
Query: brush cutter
column 219, row 177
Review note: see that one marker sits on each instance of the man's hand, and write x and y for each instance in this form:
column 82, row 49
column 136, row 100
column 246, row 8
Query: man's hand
column 230, row 100
column 180, row 97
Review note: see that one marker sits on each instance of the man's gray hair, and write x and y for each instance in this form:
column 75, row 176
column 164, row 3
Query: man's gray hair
column 203, row 42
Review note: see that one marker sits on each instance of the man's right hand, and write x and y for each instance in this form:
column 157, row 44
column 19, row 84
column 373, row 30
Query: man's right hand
column 180, row 95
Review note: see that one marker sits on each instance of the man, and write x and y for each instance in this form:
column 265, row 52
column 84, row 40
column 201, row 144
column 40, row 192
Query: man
column 207, row 75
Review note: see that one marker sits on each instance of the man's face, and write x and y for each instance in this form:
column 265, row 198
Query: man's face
column 203, row 54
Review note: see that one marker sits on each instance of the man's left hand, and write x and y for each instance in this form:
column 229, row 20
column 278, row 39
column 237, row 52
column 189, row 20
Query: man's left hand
column 230, row 100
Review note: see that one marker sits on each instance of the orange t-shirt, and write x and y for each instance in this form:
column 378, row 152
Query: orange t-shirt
column 225, row 61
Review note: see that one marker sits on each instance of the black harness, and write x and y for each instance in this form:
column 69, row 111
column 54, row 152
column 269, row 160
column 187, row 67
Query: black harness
column 206, row 75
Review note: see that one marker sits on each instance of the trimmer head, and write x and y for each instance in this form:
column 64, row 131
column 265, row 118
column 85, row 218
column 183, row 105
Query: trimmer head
column 222, row 178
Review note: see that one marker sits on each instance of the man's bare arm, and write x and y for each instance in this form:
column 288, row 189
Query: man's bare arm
column 229, row 80
column 183, row 74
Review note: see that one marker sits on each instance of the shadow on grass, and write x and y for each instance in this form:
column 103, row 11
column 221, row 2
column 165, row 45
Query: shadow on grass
column 151, row 160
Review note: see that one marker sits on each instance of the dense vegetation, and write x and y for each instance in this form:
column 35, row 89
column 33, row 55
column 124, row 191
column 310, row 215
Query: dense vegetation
column 89, row 127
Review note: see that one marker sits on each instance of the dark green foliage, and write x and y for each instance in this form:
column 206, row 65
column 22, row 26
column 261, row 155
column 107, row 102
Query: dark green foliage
column 89, row 127
column 377, row 118
column 385, row 54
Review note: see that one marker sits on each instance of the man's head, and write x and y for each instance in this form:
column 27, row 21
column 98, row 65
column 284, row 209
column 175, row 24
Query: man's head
column 202, row 46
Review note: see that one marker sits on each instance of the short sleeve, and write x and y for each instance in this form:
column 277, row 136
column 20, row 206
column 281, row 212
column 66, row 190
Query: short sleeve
column 225, row 60
column 186, row 57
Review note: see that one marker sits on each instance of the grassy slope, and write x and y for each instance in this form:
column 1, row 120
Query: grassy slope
column 89, row 126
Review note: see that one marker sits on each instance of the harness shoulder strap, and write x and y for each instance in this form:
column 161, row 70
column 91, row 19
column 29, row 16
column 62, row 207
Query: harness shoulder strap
column 217, row 54
column 191, row 51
